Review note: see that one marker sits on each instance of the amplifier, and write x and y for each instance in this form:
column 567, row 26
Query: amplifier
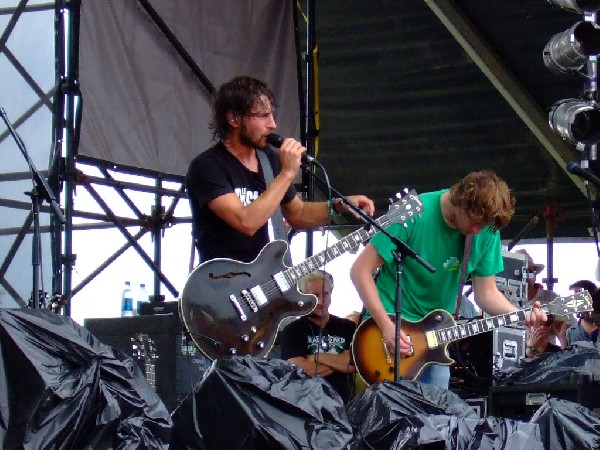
column 512, row 281
column 521, row 402
column 177, row 364
column 158, row 307
column 509, row 346
column 471, row 375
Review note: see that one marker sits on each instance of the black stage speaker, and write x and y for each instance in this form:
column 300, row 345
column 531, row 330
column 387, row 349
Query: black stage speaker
column 168, row 358
column 521, row 402
column 471, row 375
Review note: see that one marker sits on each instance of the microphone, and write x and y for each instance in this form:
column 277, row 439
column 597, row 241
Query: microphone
column 576, row 169
column 276, row 140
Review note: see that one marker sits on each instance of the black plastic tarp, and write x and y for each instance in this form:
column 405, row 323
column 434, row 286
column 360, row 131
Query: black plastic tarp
column 573, row 372
column 61, row 388
column 251, row 403
column 579, row 361
column 564, row 424
column 412, row 415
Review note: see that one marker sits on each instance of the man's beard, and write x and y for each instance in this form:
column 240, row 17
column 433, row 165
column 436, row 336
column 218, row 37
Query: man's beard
column 246, row 140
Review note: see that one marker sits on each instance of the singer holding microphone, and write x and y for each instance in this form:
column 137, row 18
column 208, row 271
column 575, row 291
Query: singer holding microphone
column 234, row 205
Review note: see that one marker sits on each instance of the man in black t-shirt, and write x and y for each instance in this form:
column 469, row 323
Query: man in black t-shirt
column 230, row 201
column 320, row 342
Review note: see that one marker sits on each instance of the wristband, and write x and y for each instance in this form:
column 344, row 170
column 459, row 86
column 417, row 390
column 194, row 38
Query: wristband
column 331, row 210
column 533, row 350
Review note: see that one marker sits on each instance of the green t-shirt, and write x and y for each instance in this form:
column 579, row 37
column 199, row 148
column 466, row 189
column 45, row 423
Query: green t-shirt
column 442, row 247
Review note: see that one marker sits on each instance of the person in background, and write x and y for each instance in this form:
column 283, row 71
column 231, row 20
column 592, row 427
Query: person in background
column 539, row 340
column 467, row 308
column 555, row 333
column 230, row 201
column 354, row 316
column 320, row 342
column 585, row 327
column 535, row 291
column 538, row 337
column 478, row 206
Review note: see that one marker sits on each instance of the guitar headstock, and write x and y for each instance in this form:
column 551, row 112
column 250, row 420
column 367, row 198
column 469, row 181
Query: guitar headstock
column 143, row 348
column 405, row 208
column 576, row 303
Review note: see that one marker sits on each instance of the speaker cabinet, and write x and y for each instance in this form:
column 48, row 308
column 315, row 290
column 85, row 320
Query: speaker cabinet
column 169, row 359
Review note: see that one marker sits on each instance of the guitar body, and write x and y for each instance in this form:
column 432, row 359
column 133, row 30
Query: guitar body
column 375, row 365
column 213, row 320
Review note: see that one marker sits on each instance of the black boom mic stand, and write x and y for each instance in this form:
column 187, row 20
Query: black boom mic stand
column 41, row 191
column 402, row 250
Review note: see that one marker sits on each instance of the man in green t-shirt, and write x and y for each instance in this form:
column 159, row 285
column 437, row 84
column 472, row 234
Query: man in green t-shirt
column 478, row 205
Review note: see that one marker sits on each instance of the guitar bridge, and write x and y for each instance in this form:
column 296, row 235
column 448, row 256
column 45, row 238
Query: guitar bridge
column 238, row 307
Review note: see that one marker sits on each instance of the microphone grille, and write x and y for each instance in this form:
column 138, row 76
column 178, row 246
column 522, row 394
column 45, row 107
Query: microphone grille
column 275, row 140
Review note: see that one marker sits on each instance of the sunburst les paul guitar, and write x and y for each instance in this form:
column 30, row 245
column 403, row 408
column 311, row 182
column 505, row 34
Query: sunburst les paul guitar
column 234, row 308
column 431, row 335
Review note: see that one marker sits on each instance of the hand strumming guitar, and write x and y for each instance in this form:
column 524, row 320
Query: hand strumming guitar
column 389, row 334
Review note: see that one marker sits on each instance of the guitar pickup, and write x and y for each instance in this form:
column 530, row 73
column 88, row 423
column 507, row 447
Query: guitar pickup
column 259, row 295
column 238, row 307
column 432, row 340
column 281, row 281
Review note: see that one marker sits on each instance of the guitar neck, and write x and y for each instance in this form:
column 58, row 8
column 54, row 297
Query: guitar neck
column 350, row 242
column 151, row 373
column 457, row 332
column 560, row 306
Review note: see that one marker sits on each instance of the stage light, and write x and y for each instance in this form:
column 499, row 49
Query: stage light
column 579, row 6
column 569, row 50
column 576, row 121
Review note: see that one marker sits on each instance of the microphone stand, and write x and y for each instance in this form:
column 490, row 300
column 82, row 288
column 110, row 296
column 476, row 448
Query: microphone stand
column 402, row 250
column 41, row 191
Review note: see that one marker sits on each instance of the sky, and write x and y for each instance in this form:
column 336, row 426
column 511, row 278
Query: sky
column 102, row 297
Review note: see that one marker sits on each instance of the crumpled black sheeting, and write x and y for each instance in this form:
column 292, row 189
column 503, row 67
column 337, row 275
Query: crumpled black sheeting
column 61, row 388
column 577, row 362
column 567, row 425
column 412, row 415
column 249, row 403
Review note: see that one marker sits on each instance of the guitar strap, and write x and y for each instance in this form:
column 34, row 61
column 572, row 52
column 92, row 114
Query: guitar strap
column 463, row 272
column 277, row 218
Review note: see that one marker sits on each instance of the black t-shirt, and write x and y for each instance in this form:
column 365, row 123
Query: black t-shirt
column 216, row 172
column 301, row 338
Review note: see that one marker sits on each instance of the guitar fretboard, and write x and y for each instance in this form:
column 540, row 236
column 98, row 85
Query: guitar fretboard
column 409, row 207
column 451, row 334
column 150, row 373
column 560, row 306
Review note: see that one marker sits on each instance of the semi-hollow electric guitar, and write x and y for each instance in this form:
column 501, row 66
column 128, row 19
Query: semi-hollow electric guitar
column 431, row 335
column 234, row 308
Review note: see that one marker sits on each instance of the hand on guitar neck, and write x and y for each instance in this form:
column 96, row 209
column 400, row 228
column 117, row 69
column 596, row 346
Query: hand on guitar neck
column 537, row 316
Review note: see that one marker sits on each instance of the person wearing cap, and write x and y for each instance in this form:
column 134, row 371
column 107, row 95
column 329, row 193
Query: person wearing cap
column 535, row 291
column 551, row 336
column 586, row 328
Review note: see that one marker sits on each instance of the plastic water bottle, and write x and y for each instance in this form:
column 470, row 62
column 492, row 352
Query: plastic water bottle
column 142, row 297
column 127, row 301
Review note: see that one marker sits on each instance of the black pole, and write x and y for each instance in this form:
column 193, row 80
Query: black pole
column 309, row 119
